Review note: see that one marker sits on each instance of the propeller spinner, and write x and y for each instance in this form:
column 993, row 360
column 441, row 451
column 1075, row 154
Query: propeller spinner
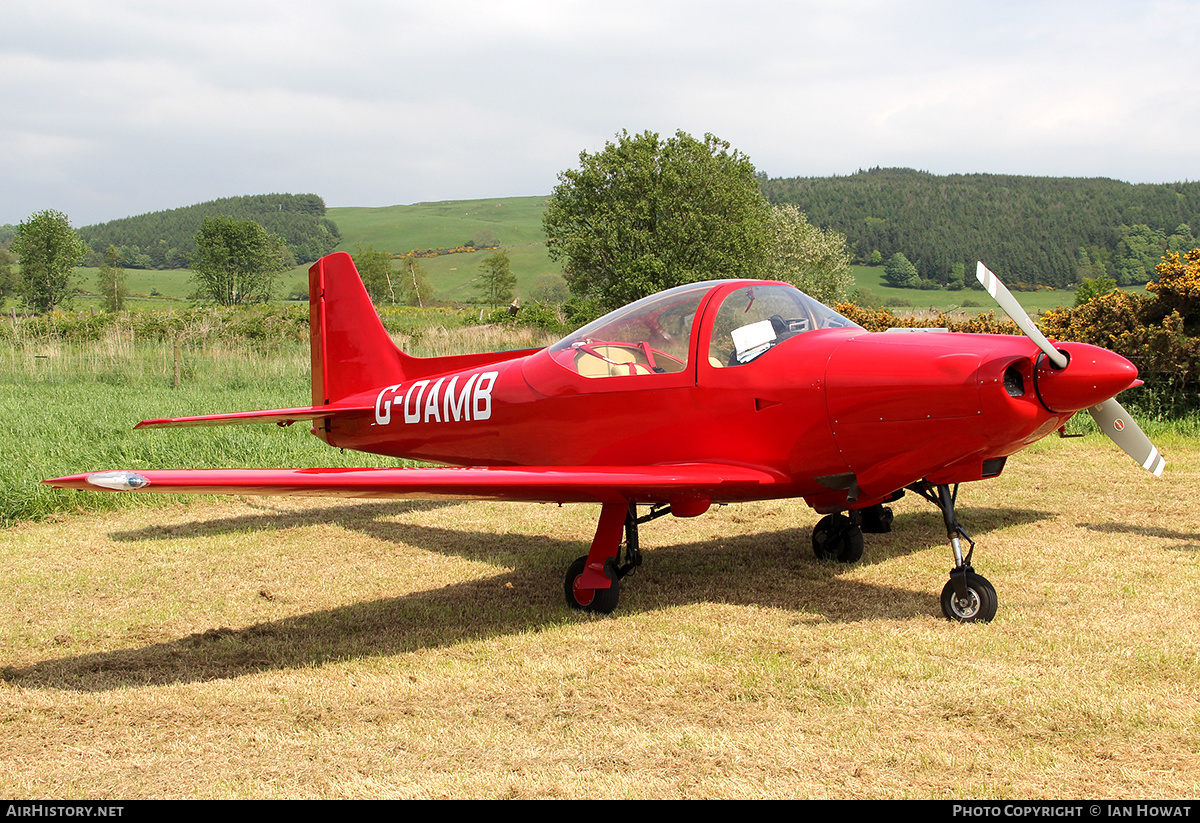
column 1110, row 416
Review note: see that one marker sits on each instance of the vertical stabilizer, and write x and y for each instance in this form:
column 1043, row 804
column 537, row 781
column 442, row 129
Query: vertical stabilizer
column 351, row 350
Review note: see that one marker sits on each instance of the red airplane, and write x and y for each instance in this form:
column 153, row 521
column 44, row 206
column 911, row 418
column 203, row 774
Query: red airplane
column 714, row 392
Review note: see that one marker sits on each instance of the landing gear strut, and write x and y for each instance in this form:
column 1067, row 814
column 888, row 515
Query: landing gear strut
column 967, row 597
column 593, row 582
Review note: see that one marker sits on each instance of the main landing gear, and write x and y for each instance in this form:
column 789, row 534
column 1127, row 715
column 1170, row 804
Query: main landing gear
column 593, row 582
column 840, row 536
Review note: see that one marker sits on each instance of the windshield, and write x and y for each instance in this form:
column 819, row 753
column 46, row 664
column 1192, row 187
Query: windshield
column 755, row 318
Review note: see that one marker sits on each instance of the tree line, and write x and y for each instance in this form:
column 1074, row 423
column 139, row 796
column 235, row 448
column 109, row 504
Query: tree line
column 1051, row 231
column 166, row 239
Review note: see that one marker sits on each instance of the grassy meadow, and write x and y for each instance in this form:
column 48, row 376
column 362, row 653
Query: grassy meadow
column 72, row 407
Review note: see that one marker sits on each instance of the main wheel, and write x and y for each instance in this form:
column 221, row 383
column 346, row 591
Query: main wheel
column 600, row 601
column 877, row 519
column 979, row 606
column 837, row 538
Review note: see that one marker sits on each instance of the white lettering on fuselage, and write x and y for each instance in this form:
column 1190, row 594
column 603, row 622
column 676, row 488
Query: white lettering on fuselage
column 423, row 403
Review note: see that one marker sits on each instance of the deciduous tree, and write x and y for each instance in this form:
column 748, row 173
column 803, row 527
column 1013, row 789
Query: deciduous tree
column 237, row 261
column 900, row 273
column 113, row 287
column 483, row 239
column 375, row 269
column 10, row 283
column 812, row 259
column 1091, row 288
column 49, row 249
column 646, row 214
column 549, row 287
column 414, row 283
column 496, row 280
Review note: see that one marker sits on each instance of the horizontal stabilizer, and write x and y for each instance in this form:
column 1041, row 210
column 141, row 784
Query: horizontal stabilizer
column 284, row 417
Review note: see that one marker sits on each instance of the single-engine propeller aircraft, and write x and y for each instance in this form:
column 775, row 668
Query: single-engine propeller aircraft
column 713, row 392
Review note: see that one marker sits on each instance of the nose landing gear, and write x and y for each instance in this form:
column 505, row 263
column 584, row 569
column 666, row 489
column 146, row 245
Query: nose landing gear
column 967, row 597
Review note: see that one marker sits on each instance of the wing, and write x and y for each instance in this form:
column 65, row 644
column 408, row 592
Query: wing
column 550, row 484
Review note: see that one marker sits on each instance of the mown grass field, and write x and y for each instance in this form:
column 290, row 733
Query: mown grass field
column 269, row 648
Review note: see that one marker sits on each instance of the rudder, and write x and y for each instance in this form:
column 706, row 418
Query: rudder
column 351, row 350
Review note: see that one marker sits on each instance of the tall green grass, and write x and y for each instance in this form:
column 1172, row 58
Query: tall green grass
column 71, row 408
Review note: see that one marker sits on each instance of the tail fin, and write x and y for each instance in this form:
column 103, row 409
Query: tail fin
column 351, row 350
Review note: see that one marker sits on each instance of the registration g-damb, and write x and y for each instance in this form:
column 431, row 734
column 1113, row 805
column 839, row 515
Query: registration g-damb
column 427, row 402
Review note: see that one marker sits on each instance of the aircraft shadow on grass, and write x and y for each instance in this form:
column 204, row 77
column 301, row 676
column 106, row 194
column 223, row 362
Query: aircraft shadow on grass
column 773, row 569
column 274, row 518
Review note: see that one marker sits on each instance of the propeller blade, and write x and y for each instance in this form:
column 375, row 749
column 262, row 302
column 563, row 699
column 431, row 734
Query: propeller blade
column 1114, row 421
column 1017, row 314
column 1110, row 415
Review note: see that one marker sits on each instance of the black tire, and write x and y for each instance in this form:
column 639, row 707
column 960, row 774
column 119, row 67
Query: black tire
column 979, row 606
column 837, row 538
column 877, row 519
column 597, row 601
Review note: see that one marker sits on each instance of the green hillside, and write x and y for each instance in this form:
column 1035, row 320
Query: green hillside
column 1031, row 230
column 515, row 223
column 444, row 224
column 980, row 215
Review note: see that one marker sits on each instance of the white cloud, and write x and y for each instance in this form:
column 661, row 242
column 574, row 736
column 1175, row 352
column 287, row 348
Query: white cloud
column 122, row 107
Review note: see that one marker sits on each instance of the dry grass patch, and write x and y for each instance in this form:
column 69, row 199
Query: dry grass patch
column 277, row 648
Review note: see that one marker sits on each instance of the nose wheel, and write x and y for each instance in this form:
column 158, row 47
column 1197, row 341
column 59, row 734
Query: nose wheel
column 967, row 597
column 976, row 603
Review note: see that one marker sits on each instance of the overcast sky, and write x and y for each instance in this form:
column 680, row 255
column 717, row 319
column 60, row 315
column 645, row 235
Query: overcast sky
column 121, row 107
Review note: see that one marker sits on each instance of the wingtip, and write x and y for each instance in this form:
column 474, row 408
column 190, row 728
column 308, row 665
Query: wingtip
column 112, row 480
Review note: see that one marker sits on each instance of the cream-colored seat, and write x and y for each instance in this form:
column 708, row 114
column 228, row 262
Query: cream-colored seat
column 610, row 361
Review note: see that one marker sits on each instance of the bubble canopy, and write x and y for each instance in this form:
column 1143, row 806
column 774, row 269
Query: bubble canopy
column 654, row 335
